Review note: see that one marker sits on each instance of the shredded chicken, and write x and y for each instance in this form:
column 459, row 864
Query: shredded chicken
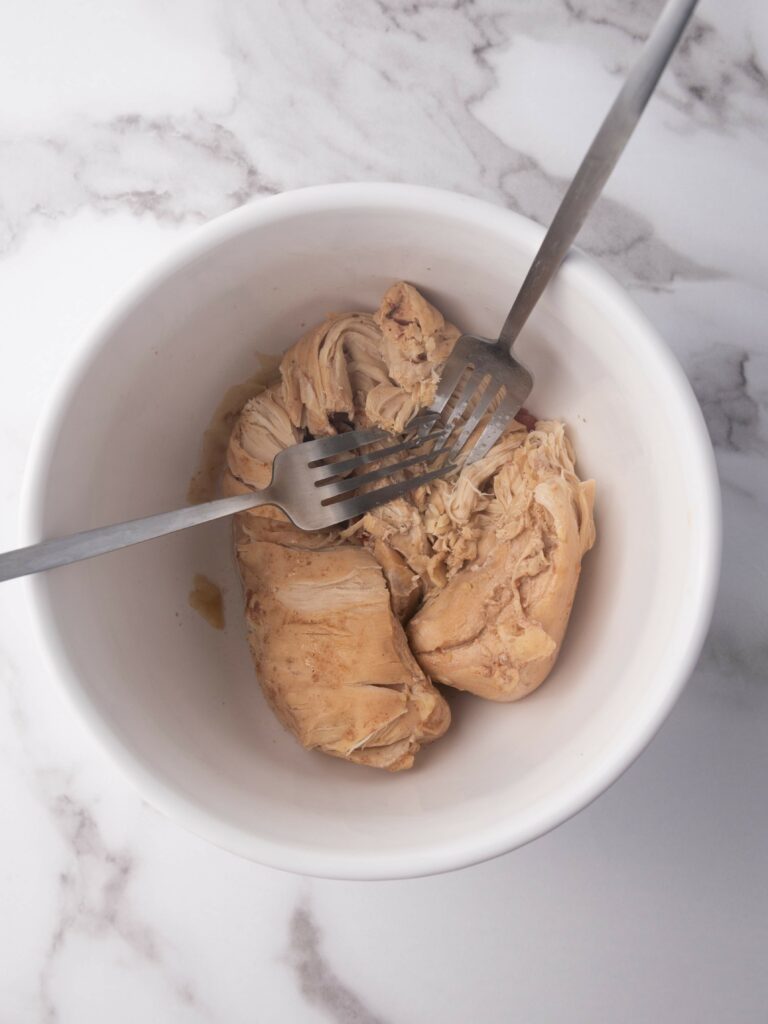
column 468, row 582
column 512, row 538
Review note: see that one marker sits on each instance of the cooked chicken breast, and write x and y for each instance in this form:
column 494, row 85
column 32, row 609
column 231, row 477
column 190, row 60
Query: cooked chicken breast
column 481, row 570
column 496, row 627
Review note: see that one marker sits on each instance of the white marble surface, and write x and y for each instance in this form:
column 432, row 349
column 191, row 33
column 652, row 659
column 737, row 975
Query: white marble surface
column 126, row 124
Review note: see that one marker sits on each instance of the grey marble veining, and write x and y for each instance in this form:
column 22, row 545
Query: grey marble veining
column 382, row 70
column 129, row 125
column 319, row 983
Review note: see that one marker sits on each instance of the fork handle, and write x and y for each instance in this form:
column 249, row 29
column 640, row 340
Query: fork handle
column 78, row 546
column 599, row 161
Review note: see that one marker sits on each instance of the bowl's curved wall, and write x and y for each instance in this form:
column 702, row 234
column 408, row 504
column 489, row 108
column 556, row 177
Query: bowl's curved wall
column 176, row 701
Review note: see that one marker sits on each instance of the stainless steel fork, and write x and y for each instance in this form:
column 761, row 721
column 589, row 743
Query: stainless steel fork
column 317, row 484
column 481, row 374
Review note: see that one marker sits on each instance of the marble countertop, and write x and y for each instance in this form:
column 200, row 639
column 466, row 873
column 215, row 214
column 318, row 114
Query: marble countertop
column 127, row 124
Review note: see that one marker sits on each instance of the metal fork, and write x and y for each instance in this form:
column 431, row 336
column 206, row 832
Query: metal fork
column 497, row 381
column 315, row 483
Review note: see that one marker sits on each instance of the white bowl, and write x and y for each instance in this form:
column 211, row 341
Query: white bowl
column 176, row 703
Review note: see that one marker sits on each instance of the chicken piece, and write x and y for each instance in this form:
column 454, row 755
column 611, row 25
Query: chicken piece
column 397, row 529
column 404, row 587
column 481, row 568
column 365, row 365
column 310, row 597
column 307, row 611
column 416, row 341
column 263, row 429
column 315, row 379
column 496, row 628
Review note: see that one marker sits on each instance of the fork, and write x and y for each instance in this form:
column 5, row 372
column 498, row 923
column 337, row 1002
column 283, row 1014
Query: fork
column 481, row 375
column 311, row 483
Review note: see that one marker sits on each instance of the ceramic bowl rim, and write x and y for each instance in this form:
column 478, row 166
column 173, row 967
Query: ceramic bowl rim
column 506, row 834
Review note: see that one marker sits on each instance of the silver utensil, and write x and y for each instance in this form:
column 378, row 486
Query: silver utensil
column 482, row 374
column 311, row 483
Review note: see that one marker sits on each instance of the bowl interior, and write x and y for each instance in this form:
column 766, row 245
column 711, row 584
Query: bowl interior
column 178, row 702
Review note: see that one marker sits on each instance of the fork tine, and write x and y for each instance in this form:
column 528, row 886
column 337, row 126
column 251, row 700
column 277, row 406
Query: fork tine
column 451, row 375
column 468, row 392
column 470, row 389
column 474, row 418
column 340, row 468
column 332, row 488
column 323, row 447
column 352, row 507
column 452, row 372
column 421, row 419
column 423, row 423
column 506, row 411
